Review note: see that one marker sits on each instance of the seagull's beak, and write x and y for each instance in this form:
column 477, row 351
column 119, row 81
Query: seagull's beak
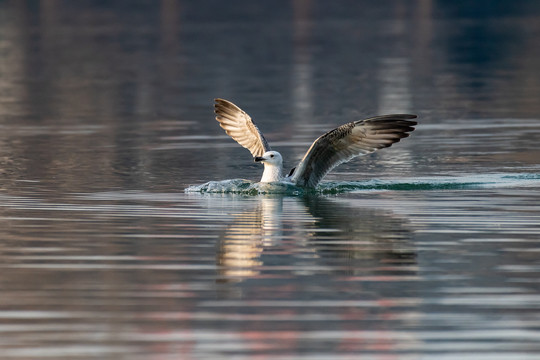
column 258, row 158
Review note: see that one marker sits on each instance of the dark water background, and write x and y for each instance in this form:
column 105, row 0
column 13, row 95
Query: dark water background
column 106, row 117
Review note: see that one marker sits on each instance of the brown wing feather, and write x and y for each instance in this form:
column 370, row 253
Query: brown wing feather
column 238, row 125
column 348, row 141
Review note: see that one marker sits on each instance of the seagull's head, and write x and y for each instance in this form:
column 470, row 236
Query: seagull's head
column 270, row 158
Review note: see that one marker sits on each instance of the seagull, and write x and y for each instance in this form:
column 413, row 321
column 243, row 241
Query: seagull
column 337, row 146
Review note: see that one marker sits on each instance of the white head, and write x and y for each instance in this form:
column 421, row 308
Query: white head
column 273, row 162
column 270, row 158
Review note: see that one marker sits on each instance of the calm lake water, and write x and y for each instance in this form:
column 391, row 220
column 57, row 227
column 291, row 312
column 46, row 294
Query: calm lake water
column 427, row 250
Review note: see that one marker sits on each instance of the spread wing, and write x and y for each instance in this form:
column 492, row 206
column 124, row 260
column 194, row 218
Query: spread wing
column 348, row 141
column 238, row 125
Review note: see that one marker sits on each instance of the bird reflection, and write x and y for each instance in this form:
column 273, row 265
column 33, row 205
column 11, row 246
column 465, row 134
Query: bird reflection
column 243, row 242
column 360, row 235
column 314, row 231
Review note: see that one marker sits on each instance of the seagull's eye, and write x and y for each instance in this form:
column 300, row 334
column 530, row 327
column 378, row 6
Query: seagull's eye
column 272, row 155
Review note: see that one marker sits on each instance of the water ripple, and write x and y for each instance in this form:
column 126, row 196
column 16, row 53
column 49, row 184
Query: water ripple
column 247, row 187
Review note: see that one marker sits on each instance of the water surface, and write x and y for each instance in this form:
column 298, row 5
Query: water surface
column 428, row 249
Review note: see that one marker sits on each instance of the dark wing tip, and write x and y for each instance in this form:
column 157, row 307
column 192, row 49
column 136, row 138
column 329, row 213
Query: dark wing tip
column 225, row 108
column 218, row 102
column 221, row 103
column 408, row 118
column 399, row 122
